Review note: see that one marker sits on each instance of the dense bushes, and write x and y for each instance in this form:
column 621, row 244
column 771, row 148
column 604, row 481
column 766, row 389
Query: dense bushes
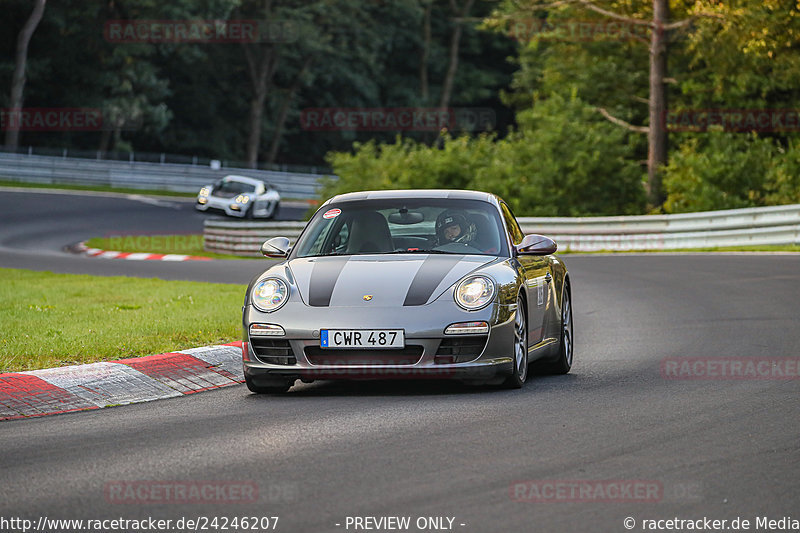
column 729, row 170
column 565, row 160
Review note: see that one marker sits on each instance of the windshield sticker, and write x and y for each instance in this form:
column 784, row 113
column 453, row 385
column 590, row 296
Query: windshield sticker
column 332, row 213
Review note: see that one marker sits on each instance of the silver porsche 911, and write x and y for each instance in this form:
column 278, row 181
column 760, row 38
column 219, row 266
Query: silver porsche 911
column 408, row 284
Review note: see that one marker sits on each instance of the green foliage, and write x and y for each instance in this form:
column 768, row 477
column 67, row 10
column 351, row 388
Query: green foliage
column 728, row 170
column 741, row 55
column 733, row 55
column 195, row 98
column 524, row 55
column 565, row 160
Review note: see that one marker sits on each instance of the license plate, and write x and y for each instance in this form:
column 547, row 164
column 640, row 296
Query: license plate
column 362, row 338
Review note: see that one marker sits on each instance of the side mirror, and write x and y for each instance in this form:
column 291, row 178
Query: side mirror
column 276, row 247
column 537, row 245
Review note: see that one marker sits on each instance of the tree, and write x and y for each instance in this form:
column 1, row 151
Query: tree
column 283, row 112
column 660, row 26
column 199, row 98
column 425, row 52
column 459, row 13
column 657, row 131
column 262, row 62
column 21, row 60
column 315, row 36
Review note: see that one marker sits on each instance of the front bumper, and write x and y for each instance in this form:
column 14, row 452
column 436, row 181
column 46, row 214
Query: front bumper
column 221, row 204
column 423, row 326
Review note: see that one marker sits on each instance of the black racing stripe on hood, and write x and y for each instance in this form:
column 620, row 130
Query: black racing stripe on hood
column 323, row 279
column 429, row 276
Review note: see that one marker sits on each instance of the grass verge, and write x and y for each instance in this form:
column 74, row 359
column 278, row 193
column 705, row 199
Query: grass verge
column 159, row 244
column 49, row 320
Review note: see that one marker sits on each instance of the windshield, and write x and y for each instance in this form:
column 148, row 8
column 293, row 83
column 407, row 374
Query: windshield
column 404, row 226
column 235, row 187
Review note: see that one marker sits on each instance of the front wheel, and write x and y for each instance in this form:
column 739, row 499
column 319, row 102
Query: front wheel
column 274, row 211
column 563, row 362
column 520, row 372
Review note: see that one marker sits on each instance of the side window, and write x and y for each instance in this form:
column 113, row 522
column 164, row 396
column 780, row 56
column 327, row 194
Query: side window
column 329, row 239
column 316, row 244
column 341, row 238
column 513, row 226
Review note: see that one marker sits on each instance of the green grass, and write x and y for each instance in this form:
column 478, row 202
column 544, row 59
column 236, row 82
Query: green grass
column 48, row 320
column 12, row 183
column 159, row 244
column 762, row 248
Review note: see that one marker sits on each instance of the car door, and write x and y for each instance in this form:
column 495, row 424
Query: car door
column 260, row 202
column 537, row 279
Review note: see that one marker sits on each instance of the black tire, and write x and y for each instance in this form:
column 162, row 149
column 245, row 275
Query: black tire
column 265, row 386
column 566, row 347
column 249, row 213
column 275, row 211
column 520, row 372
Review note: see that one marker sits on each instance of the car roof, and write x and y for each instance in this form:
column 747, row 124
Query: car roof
column 244, row 179
column 398, row 194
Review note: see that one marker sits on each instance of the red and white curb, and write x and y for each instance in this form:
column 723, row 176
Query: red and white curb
column 98, row 385
column 81, row 248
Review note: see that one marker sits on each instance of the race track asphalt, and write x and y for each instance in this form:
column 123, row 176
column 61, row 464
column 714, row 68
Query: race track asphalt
column 718, row 449
column 35, row 227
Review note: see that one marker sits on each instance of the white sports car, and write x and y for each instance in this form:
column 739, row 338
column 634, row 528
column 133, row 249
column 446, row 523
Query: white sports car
column 239, row 196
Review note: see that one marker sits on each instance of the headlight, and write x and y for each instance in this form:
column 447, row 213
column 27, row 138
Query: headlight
column 204, row 191
column 242, row 199
column 269, row 294
column 474, row 292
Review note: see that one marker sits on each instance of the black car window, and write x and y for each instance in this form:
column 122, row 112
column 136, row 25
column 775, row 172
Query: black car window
column 511, row 223
column 235, row 187
column 406, row 225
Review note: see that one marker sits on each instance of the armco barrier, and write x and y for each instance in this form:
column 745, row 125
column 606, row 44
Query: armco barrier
column 139, row 175
column 778, row 225
column 245, row 238
column 775, row 225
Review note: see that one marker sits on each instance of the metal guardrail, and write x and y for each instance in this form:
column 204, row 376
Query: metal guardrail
column 159, row 157
column 245, row 238
column 139, row 175
column 778, row 225
column 774, row 225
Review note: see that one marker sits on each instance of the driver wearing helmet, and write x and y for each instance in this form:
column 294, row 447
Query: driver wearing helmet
column 452, row 226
